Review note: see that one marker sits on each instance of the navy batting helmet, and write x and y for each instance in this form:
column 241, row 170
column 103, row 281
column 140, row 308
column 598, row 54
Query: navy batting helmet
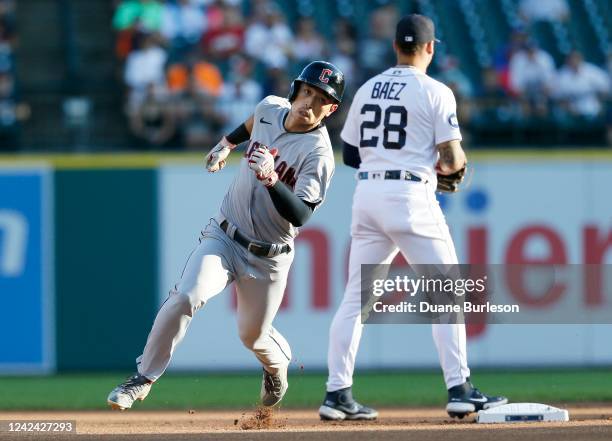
column 322, row 75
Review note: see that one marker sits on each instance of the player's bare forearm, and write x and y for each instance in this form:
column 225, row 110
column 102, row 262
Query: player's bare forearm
column 452, row 157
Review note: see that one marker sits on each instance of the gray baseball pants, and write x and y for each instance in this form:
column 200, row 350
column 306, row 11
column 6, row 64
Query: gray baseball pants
column 216, row 262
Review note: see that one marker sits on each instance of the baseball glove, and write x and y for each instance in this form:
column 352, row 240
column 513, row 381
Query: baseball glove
column 450, row 183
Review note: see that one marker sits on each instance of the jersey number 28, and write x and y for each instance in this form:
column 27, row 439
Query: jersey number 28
column 398, row 127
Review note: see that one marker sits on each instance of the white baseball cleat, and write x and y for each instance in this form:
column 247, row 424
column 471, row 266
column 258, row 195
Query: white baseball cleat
column 273, row 387
column 136, row 387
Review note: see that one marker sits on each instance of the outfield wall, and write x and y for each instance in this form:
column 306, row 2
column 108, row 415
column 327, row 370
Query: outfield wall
column 107, row 237
column 78, row 266
column 27, row 332
column 512, row 211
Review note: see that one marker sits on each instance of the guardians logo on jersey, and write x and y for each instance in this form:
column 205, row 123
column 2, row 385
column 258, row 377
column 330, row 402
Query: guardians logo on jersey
column 286, row 174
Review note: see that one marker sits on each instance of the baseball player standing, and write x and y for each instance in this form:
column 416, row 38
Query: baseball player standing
column 401, row 132
column 250, row 242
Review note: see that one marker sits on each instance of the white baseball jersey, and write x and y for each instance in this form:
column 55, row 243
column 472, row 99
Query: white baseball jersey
column 305, row 162
column 397, row 118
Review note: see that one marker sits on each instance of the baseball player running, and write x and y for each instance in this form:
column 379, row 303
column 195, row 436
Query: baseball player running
column 283, row 178
column 401, row 132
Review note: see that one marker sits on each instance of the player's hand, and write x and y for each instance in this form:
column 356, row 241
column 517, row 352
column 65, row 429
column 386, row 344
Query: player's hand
column 217, row 156
column 261, row 161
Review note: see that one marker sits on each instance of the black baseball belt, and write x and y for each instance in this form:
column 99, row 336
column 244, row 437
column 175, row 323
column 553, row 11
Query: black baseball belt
column 259, row 248
column 397, row 175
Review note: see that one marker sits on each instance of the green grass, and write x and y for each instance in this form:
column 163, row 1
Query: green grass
column 206, row 390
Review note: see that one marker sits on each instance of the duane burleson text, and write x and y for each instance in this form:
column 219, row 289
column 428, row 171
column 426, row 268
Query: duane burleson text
column 425, row 307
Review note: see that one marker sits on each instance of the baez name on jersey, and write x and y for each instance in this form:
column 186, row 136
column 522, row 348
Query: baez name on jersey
column 285, row 173
column 387, row 90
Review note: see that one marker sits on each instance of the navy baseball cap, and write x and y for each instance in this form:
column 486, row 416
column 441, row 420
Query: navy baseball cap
column 415, row 29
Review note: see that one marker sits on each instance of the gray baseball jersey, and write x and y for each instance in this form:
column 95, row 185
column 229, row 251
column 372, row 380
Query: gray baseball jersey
column 305, row 162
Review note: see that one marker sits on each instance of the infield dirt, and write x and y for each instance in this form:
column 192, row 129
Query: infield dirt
column 588, row 422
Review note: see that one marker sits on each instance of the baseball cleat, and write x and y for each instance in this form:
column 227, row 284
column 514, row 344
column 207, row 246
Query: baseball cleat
column 136, row 387
column 273, row 387
column 465, row 399
column 340, row 405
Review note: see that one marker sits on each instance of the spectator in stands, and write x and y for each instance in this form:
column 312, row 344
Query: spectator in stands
column 7, row 85
column 505, row 52
column 376, row 52
column 270, row 40
column 228, row 38
column 452, row 75
column 240, row 93
column 519, row 86
column 152, row 122
column 343, row 53
column 7, row 8
column 145, row 69
column 258, row 9
column 194, row 87
column 6, row 47
column 177, row 77
column 531, row 74
column 208, row 3
column 197, row 117
column 195, row 72
column 206, row 78
column 532, row 11
column 309, row 44
column 494, row 104
column 7, row 23
column 145, row 15
column 12, row 113
column 581, row 87
column 276, row 82
column 133, row 17
column 183, row 23
column 7, row 35
column 214, row 13
column 492, row 92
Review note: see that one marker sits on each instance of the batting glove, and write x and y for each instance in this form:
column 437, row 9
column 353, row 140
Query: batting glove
column 261, row 161
column 215, row 160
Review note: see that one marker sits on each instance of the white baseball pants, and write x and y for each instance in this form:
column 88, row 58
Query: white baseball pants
column 391, row 216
